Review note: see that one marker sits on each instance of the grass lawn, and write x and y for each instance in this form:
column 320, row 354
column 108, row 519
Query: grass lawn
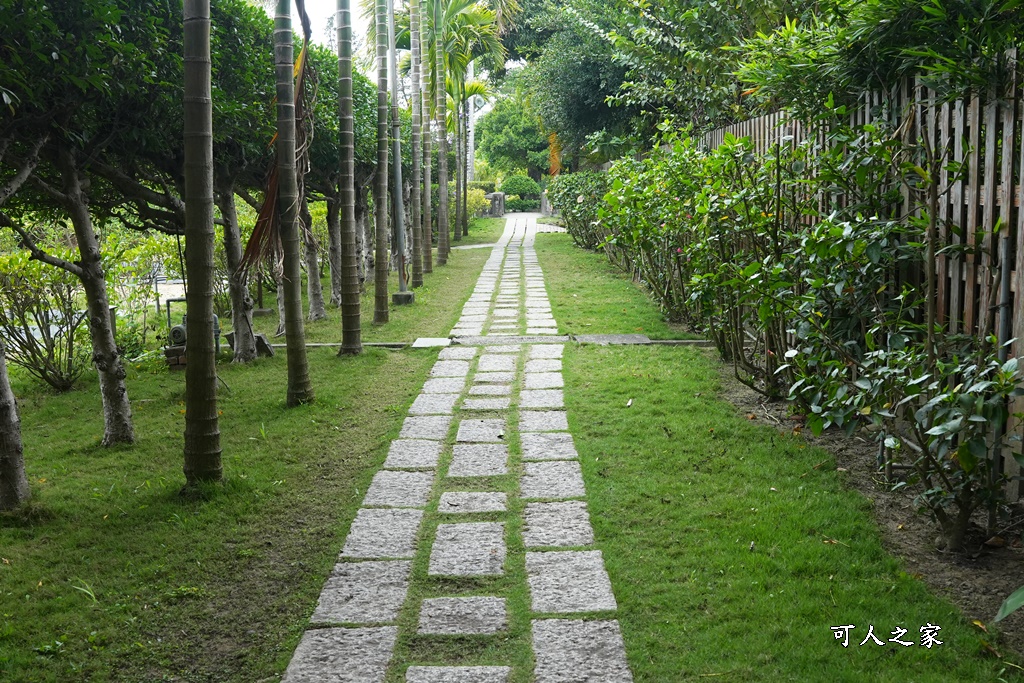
column 589, row 296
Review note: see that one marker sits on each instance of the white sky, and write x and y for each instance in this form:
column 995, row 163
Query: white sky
column 320, row 10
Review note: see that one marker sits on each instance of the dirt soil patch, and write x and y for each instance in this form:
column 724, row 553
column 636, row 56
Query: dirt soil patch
column 977, row 581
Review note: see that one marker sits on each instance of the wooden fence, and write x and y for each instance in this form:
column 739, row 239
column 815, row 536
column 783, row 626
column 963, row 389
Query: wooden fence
column 980, row 265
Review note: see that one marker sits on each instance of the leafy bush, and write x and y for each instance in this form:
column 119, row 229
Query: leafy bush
column 524, row 186
column 42, row 321
column 514, row 205
column 476, row 204
column 577, row 197
column 485, row 186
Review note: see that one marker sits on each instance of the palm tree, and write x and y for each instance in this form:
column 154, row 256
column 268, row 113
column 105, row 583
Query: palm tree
column 380, row 197
column 417, row 227
column 351, row 330
column 440, row 115
column 202, row 429
column 403, row 295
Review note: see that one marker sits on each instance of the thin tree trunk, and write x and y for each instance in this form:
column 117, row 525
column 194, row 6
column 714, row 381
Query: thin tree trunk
column 440, row 109
column 458, row 170
column 380, row 197
column 426, row 226
column 334, row 247
column 416, row 224
column 351, row 323
column 314, row 288
column 364, row 234
column 466, row 165
column 241, row 302
column 14, row 488
column 300, row 390
column 202, row 427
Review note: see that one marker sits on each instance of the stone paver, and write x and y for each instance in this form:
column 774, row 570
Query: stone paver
column 399, row 489
column 444, row 385
column 541, row 398
column 433, row 404
column 569, row 581
column 433, row 427
column 555, row 479
column 547, row 446
column 557, row 525
column 464, row 502
column 488, row 430
column 363, row 593
column 469, row 549
column 462, row 616
column 543, row 421
column 342, row 655
column 503, row 348
column 544, row 380
column 574, row 651
column 460, row 352
column 450, row 368
column 378, row 534
column 457, row 674
column 487, row 403
column 413, row 454
column 490, row 390
column 478, row 460
column 543, row 365
column 546, row 351
column 494, row 377
column 495, row 362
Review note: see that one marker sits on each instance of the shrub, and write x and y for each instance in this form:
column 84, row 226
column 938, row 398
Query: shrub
column 524, row 186
column 485, row 186
column 577, row 197
column 514, row 205
column 476, row 204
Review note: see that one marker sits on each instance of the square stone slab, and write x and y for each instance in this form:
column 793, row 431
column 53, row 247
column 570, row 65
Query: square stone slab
column 462, row 616
column 487, row 403
column 557, row 525
column 548, row 446
column 471, row 319
column 502, row 348
column 556, row 479
column 342, row 655
column 504, row 313
column 541, row 398
column 467, row 330
column 464, row 502
column 505, row 326
column 457, row 674
column 544, row 380
column 433, row 404
column 413, row 454
column 363, row 593
column 491, row 430
column 430, row 342
column 543, row 421
column 491, row 390
column 569, row 581
column 572, row 650
column 470, row 549
column 478, row 460
column 457, row 353
column 426, row 427
column 546, row 351
column 450, row 368
column 444, row 385
column 541, row 330
column 493, row 362
column 496, row 377
column 542, row 365
column 399, row 489
column 378, row 534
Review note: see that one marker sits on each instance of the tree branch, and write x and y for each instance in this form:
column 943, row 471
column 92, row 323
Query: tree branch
column 36, row 253
column 166, row 200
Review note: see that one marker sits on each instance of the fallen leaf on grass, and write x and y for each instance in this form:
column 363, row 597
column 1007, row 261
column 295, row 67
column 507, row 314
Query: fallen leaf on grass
column 751, row 416
column 977, row 622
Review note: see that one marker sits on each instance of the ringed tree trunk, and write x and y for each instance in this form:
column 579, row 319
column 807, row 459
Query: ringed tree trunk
column 241, row 301
column 314, row 289
column 440, row 110
column 334, row 247
column 414, row 200
column 467, row 162
column 300, row 390
column 426, row 219
column 380, row 196
column 458, row 169
column 202, row 427
column 14, row 488
column 351, row 325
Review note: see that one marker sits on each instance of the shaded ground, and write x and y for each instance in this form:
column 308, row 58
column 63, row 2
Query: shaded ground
column 976, row 581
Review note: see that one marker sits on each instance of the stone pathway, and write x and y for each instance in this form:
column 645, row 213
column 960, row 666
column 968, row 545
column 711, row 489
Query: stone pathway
column 490, row 413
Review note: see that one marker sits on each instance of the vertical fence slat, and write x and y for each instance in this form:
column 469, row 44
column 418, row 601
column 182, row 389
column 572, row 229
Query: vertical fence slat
column 988, row 222
column 956, row 269
column 972, row 196
column 942, row 264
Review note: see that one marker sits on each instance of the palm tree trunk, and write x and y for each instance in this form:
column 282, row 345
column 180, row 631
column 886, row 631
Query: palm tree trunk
column 14, row 488
column 458, row 165
column 426, row 217
column 441, row 107
column 241, row 302
column 334, row 246
column 466, row 164
column 314, row 288
column 398, row 187
column 414, row 200
column 202, row 427
column 380, row 196
column 351, row 326
column 300, row 390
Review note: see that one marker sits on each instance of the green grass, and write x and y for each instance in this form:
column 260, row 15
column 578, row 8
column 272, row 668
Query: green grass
column 731, row 555
column 589, row 296
column 482, row 231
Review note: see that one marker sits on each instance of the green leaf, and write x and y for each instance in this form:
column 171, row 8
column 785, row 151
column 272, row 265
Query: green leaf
column 1010, row 604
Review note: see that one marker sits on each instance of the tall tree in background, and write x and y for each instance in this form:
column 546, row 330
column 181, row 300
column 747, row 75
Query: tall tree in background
column 13, row 483
column 299, row 388
column 351, row 329
column 440, row 119
column 426, row 215
column 202, row 428
column 416, row 228
column 380, row 196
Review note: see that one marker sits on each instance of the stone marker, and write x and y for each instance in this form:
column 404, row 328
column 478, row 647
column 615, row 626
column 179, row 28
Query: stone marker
column 555, row 479
column 399, row 489
column 570, row 581
column 470, row 549
column 413, row 454
column 462, row 616
column 377, row 534
column 462, row 502
column 363, row 593
column 457, row 674
column 572, row 651
column 548, row 446
column 342, row 655
column 557, row 525
column 478, row 460
column 543, row 421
